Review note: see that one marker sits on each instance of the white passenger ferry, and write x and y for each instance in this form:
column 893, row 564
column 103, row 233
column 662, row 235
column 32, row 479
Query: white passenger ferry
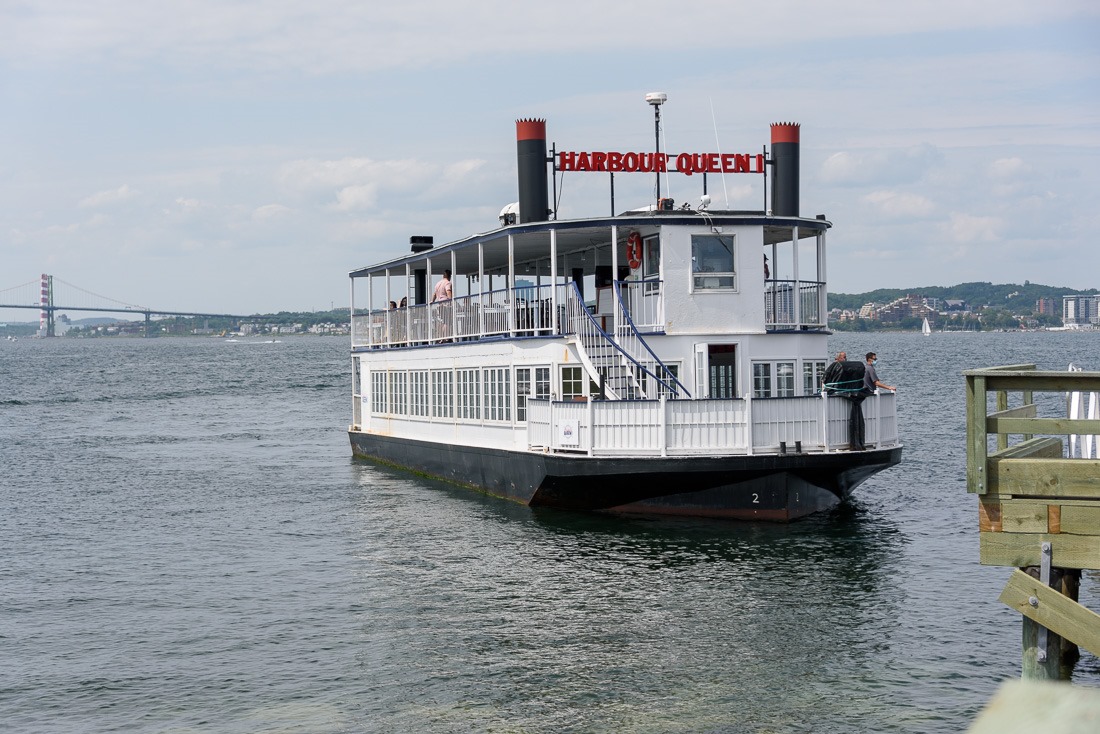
column 645, row 362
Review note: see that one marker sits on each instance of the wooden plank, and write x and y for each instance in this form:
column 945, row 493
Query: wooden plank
column 1002, row 408
column 1024, row 516
column 1000, row 368
column 1045, row 477
column 1057, row 613
column 1044, row 446
column 1023, row 549
column 1050, row 426
column 1081, row 520
column 989, row 515
column 976, row 445
column 1045, row 381
column 1023, row 411
column 1039, row 707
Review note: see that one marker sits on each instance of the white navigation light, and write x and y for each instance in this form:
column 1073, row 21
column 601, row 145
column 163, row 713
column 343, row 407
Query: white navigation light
column 656, row 98
column 704, row 201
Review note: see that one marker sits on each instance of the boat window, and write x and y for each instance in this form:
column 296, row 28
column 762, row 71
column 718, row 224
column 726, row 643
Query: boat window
column 813, row 377
column 572, row 383
column 498, row 393
column 525, row 388
column 712, row 262
column 418, row 393
column 469, row 394
column 442, row 394
column 398, row 392
column 761, row 380
column 652, row 262
column 378, row 403
column 773, row 379
column 784, row 380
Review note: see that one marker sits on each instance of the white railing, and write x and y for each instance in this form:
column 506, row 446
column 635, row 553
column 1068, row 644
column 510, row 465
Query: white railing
column 779, row 304
column 644, row 302
column 527, row 311
column 718, row 427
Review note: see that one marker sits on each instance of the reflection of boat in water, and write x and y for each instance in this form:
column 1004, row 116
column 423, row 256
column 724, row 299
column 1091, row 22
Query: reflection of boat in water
column 644, row 362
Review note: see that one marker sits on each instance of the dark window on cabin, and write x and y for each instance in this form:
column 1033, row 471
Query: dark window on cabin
column 712, row 262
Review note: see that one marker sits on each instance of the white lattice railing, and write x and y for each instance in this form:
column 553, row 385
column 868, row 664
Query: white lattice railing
column 685, row 427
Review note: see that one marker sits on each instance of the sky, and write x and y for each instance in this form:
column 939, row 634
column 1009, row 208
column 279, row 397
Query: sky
column 243, row 157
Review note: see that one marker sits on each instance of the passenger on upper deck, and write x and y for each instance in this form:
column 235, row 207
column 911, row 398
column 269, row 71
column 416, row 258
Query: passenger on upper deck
column 442, row 290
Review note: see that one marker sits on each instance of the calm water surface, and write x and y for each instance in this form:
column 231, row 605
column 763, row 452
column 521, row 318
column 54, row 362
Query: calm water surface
column 188, row 547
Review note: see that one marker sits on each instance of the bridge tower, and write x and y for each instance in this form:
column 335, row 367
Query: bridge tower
column 45, row 315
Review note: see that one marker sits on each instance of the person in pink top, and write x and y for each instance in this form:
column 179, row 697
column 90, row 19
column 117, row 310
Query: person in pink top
column 443, row 288
column 442, row 293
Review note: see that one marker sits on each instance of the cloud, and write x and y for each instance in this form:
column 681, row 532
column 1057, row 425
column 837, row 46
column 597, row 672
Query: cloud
column 339, row 36
column 269, row 212
column 886, row 166
column 357, row 183
column 900, row 206
column 111, row 196
column 1008, row 168
column 968, row 229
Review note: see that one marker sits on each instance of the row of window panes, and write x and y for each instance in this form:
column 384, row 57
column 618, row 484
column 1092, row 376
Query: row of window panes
column 479, row 392
column 777, row 379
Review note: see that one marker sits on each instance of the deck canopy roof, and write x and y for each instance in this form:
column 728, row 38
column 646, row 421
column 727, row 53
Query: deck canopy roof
column 531, row 242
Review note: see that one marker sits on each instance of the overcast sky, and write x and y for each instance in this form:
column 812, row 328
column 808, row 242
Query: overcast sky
column 244, row 156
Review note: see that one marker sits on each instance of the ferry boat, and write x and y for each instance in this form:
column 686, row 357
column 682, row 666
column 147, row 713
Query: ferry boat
column 648, row 361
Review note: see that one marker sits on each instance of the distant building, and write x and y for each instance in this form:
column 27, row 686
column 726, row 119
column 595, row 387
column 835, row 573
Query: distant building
column 1080, row 311
column 1046, row 307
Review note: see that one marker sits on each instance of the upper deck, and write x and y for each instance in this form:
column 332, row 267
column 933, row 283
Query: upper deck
column 673, row 272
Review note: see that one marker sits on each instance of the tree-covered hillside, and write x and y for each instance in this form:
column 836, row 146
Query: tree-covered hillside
column 1010, row 296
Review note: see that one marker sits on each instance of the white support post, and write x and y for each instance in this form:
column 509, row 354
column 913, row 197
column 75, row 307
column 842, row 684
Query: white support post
column 481, row 285
column 510, row 286
column 451, row 305
column 796, row 294
column 553, row 281
column 822, row 295
column 664, row 424
column 590, row 411
column 614, row 277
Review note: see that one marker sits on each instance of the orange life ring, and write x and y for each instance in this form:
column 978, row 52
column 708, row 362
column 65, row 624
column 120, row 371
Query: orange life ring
column 634, row 250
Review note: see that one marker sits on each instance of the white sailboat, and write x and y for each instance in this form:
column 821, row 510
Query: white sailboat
column 925, row 328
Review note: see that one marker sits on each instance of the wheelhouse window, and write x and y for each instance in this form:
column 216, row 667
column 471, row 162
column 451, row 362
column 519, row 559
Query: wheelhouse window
column 712, row 262
column 652, row 261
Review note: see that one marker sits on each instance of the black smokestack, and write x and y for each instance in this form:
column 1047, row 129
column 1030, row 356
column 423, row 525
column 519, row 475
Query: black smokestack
column 531, row 157
column 785, row 169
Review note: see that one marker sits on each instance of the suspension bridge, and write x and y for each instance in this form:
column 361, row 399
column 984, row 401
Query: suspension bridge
column 49, row 295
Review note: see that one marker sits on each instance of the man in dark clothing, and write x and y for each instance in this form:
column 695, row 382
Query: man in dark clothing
column 832, row 373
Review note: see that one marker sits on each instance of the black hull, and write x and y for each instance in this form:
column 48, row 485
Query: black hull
column 766, row 487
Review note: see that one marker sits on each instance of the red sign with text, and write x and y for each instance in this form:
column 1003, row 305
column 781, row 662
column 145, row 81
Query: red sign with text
column 686, row 163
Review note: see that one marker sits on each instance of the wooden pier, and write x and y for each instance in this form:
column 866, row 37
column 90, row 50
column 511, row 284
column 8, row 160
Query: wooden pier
column 1038, row 504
